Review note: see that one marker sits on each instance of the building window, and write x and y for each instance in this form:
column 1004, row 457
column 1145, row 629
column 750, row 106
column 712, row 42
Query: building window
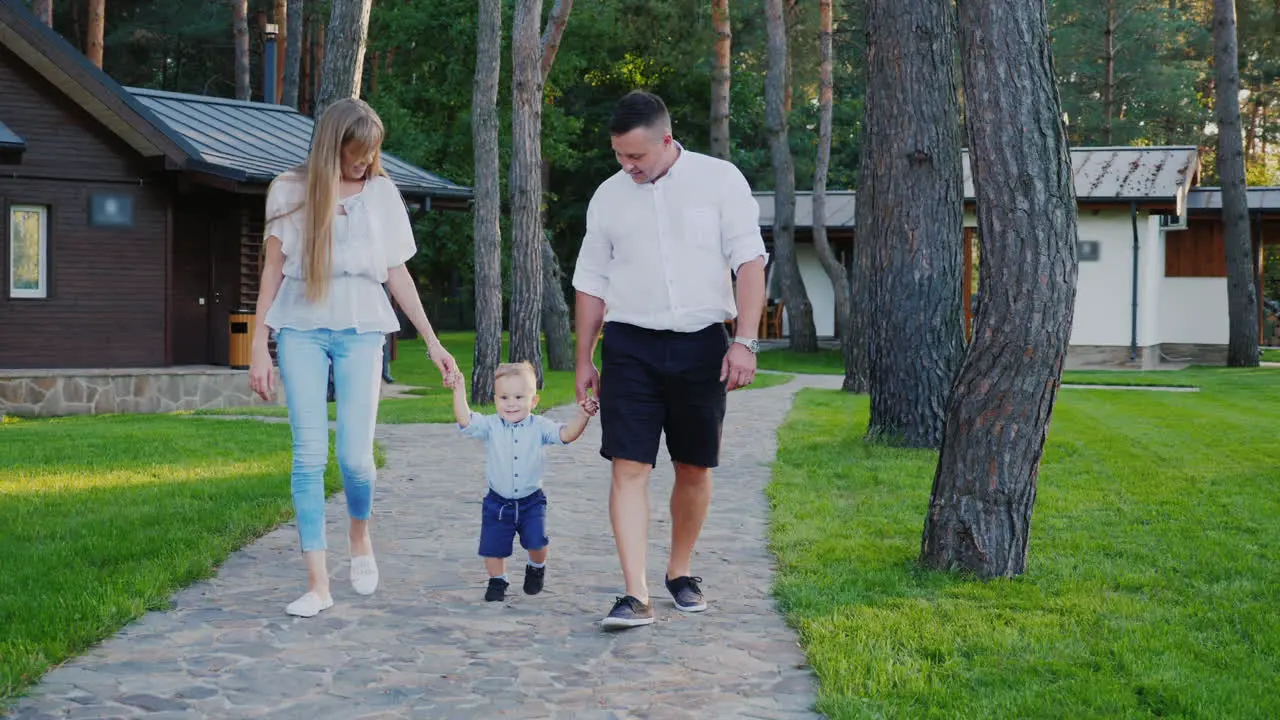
column 28, row 251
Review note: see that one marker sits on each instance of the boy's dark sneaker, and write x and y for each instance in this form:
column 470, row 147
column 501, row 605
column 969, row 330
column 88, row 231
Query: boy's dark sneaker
column 628, row 612
column 497, row 591
column 533, row 579
column 688, row 596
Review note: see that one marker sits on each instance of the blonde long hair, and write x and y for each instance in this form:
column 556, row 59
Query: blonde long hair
column 349, row 120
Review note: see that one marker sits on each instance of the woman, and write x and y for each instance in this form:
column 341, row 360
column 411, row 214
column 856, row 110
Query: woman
column 337, row 231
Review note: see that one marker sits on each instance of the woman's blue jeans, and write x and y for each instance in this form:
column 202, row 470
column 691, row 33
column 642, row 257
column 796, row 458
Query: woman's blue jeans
column 304, row 357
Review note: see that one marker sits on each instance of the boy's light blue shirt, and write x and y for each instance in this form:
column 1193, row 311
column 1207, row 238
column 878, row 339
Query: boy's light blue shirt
column 514, row 451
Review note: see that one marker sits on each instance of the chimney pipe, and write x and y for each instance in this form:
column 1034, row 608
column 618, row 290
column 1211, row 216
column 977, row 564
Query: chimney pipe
column 269, row 94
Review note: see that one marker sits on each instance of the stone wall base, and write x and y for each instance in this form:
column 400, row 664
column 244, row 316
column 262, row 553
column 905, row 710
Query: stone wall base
column 48, row 393
column 1152, row 357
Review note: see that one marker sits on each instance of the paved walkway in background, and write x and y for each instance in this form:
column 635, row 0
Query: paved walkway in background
column 426, row 645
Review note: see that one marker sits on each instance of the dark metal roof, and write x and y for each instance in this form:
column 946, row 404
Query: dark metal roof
column 258, row 141
column 9, row 140
column 1260, row 198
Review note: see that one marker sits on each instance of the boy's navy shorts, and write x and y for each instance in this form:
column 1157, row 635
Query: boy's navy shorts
column 660, row 381
column 502, row 518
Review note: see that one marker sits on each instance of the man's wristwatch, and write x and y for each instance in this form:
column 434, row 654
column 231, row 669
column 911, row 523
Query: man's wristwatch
column 752, row 344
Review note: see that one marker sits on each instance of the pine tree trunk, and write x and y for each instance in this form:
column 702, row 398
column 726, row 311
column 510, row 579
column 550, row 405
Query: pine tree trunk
column 280, row 17
column 804, row 338
column 853, row 342
column 556, row 323
column 1251, row 135
column 555, row 313
column 556, row 22
column 488, row 231
column 984, row 489
column 720, row 79
column 835, row 271
column 76, row 29
column 910, row 220
column 344, row 52
column 525, row 184
column 43, row 10
column 97, row 29
column 292, row 55
column 1242, row 297
column 317, row 64
column 1109, row 84
column 240, row 26
column 305, row 83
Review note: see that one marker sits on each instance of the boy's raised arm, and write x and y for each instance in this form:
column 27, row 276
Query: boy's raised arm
column 573, row 429
column 461, row 410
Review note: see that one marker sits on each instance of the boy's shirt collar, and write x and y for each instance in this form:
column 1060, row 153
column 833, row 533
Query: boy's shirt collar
column 528, row 419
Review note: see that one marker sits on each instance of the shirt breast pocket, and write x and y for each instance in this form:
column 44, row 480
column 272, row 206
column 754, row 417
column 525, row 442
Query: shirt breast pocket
column 702, row 229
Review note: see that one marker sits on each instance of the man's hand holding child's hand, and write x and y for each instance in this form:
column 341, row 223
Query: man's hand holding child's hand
column 590, row 405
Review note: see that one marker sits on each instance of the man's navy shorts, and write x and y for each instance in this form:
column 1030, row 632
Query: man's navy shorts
column 502, row 518
column 660, row 381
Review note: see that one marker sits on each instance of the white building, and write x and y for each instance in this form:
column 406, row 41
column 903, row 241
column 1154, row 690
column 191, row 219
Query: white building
column 1152, row 279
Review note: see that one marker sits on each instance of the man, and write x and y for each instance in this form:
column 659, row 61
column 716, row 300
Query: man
column 663, row 237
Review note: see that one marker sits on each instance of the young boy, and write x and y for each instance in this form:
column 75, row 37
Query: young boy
column 514, row 439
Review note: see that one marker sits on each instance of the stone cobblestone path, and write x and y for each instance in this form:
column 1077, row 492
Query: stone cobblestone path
column 426, row 645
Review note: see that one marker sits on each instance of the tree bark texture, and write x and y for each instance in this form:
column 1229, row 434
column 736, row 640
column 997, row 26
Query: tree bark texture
column 1242, row 298
column 854, row 340
column 488, row 231
column 557, row 325
column 240, row 28
column 835, row 270
column 551, row 36
column 910, row 220
column 984, row 489
column 344, row 52
column 804, row 338
column 280, row 17
column 97, row 29
column 43, row 10
column 525, row 184
column 292, row 55
column 317, row 63
column 555, row 313
column 1109, row 84
column 720, row 79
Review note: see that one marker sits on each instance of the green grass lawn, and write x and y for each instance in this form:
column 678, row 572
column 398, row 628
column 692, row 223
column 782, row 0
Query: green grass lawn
column 1151, row 588
column 831, row 362
column 104, row 518
column 435, row 404
column 823, row 362
column 1271, row 355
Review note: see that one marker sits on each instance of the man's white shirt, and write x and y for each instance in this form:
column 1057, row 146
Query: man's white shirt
column 660, row 254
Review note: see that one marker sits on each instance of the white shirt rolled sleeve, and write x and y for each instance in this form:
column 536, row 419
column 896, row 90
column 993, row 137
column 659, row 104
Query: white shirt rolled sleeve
column 740, row 222
column 662, row 254
column 590, row 275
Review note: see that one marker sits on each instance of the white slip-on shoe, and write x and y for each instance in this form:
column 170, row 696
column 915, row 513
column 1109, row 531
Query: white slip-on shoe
column 364, row 574
column 309, row 605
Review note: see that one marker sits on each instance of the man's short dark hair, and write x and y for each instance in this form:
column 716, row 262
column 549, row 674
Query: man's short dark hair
column 638, row 109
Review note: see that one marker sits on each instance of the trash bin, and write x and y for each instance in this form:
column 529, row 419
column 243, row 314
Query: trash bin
column 241, row 345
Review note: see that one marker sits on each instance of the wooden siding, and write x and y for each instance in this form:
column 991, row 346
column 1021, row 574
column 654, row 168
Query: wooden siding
column 1198, row 251
column 252, row 223
column 106, row 305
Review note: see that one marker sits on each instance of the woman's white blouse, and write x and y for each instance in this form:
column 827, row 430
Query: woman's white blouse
column 371, row 234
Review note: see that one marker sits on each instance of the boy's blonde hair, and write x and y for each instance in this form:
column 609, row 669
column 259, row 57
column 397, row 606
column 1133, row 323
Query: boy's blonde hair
column 517, row 369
